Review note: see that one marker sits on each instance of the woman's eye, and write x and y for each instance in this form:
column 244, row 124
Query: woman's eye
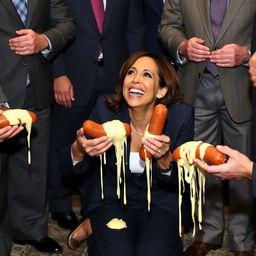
column 130, row 72
column 147, row 74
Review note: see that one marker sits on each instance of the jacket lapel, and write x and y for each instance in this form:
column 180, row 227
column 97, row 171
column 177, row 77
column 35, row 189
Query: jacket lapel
column 232, row 10
column 203, row 7
column 108, row 13
column 12, row 9
column 31, row 9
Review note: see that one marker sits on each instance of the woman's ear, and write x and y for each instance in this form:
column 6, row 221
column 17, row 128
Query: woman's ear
column 161, row 92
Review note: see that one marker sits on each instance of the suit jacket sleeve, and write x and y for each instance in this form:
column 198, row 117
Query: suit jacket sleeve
column 171, row 27
column 61, row 27
column 3, row 98
column 254, row 180
column 254, row 36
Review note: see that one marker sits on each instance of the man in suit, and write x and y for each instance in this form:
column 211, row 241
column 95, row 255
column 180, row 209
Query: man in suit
column 31, row 32
column 5, row 133
column 87, row 68
column 213, row 52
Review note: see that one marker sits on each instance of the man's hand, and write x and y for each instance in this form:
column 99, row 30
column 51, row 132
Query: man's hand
column 230, row 55
column 28, row 42
column 63, row 91
column 237, row 167
column 252, row 69
column 194, row 50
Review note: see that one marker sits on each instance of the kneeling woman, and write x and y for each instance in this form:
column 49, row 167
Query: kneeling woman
column 144, row 81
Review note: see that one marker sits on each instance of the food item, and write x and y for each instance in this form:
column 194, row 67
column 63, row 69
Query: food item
column 19, row 117
column 116, row 224
column 118, row 131
column 16, row 117
column 194, row 175
column 97, row 130
column 211, row 155
column 156, row 126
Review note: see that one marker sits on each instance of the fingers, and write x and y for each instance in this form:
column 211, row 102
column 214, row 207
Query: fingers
column 93, row 147
column 9, row 132
column 157, row 146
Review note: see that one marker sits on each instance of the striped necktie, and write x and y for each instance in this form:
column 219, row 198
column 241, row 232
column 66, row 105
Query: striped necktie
column 22, row 9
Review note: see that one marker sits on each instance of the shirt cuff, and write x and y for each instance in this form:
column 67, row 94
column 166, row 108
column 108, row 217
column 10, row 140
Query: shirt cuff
column 180, row 58
column 74, row 162
column 46, row 51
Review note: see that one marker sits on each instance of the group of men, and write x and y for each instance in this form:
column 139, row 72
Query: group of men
column 209, row 39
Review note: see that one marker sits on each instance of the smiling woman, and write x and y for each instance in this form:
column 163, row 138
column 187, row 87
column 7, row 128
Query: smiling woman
column 144, row 81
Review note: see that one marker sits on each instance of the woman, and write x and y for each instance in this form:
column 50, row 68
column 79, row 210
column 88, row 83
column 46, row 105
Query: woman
column 144, row 81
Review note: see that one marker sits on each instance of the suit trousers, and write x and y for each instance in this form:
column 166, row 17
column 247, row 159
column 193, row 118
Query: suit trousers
column 27, row 200
column 64, row 124
column 147, row 233
column 214, row 125
column 5, row 236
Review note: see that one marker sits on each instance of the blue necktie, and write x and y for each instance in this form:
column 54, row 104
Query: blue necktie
column 217, row 13
column 22, row 9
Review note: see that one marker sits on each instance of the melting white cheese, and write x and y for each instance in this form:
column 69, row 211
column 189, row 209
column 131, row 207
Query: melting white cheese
column 116, row 224
column 20, row 116
column 115, row 130
column 148, row 168
column 194, row 176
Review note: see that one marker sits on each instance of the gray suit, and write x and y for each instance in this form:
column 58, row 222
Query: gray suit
column 222, row 105
column 27, row 202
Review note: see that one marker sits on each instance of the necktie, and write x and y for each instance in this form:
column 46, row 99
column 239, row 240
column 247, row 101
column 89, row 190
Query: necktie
column 217, row 13
column 98, row 9
column 22, row 8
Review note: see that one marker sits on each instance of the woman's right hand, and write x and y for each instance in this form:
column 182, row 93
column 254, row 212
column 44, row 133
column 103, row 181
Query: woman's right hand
column 92, row 147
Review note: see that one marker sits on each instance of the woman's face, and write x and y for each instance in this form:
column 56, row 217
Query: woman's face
column 141, row 83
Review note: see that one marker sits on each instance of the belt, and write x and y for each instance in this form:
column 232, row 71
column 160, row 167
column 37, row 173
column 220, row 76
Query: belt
column 99, row 62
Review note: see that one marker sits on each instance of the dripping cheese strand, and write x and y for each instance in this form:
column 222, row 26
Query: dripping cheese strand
column 20, row 116
column 148, row 168
column 115, row 130
column 194, row 176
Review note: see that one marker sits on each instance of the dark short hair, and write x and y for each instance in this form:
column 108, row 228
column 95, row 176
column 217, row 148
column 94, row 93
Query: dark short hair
column 167, row 78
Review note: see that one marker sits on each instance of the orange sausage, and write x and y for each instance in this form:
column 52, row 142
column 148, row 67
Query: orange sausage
column 96, row 130
column 5, row 122
column 211, row 156
column 156, row 126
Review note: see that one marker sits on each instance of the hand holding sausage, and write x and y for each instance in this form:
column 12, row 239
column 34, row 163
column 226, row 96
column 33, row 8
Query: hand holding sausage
column 155, row 127
column 237, row 167
column 92, row 147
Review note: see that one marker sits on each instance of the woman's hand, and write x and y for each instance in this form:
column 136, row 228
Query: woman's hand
column 9, row 132
column 92, row 147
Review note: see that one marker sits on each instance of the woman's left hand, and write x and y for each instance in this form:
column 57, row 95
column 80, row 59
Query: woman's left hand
column 158, row 146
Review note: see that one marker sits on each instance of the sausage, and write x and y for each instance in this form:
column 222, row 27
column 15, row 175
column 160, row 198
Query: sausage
column 212, row 155
column 96, row 130
column 5, row 122
column 156, row 126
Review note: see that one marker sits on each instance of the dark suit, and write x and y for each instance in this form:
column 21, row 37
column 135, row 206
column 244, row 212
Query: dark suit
column 122, row 35
column 254, row 96
column 222, row 106
column 27, row 202
column 179, row 128
column 152, row 16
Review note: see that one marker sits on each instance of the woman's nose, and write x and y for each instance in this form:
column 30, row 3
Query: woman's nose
column 136, row 78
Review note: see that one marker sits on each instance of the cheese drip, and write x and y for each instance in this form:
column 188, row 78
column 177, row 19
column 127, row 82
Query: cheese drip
column 148, row 168
column 194, row 176
column 116, row 224
column 115, row 130
column 20, row 116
